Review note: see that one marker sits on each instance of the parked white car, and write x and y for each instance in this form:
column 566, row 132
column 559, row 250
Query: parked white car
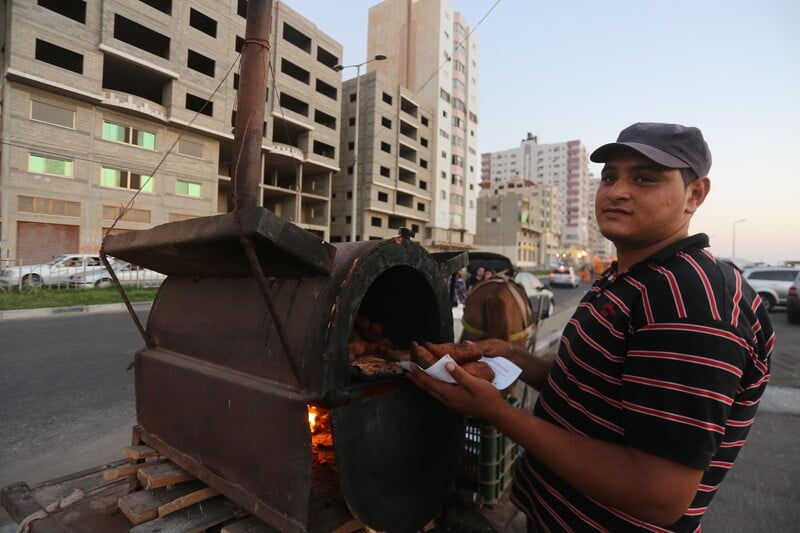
column 53, row 273
column 127, row 273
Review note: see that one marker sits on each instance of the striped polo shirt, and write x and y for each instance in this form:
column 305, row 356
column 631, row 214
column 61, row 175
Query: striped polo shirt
column 670, row 357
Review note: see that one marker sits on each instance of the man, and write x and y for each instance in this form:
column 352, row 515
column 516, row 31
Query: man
column 659, row 372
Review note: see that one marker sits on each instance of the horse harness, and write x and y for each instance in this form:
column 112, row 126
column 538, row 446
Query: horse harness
column 526, row 311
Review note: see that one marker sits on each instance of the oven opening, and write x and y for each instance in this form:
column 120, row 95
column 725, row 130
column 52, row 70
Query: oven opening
column 399, row 307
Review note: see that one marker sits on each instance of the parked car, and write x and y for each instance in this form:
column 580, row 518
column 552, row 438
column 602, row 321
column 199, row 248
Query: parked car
column 564, row 276
column 537, row 292
column 772, row 283
column 53, row 273
column 793, row 302
column 127, row 274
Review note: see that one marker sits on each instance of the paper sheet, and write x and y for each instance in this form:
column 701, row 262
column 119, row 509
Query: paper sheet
column 505, row 372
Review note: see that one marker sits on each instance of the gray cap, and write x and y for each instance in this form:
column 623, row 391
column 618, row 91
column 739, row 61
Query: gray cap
column 670, row 145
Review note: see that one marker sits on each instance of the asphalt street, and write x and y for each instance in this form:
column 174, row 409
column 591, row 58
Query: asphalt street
column 66, row 403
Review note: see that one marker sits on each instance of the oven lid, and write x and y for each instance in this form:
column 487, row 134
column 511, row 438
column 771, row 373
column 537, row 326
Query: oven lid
column 397, row 455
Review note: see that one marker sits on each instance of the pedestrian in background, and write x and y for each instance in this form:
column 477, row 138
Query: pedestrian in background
column 458, row 288
column 658, row 374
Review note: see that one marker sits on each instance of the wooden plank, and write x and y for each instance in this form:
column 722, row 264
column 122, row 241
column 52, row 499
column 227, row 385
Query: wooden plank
column 161, row 475
column 249, row 524
column 139, row 452
column 351, row 526
column 187, row 500
column 142, row 505
column 127, row 470
column 95, row 511
column 195, row 518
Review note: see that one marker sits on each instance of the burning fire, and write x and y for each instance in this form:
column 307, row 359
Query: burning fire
column 318, row 419
column 313, row 412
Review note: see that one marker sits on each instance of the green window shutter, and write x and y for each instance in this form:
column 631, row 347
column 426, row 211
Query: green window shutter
column 35, row 163
column 110, row 177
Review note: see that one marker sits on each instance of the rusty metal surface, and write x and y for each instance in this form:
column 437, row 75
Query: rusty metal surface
column 250, row 105
column 220, row 396
column 211, row 246
column 235, row 432
column 397, row 455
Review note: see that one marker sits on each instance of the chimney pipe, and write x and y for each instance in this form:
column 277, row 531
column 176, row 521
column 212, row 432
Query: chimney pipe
column 251, row 103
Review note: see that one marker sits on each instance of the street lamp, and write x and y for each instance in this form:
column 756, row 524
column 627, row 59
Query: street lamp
column 733, row 240
column 338, row 68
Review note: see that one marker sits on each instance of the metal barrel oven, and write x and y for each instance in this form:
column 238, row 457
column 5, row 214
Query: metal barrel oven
column 250, row 328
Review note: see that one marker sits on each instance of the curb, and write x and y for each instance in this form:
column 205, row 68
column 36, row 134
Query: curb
column 74, row 309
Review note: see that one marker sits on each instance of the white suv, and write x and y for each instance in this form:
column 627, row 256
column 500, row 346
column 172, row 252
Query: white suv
column 772, row 283
column 55, row 272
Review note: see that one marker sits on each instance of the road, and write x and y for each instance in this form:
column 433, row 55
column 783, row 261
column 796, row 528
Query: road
column 66, row 396
column 67, row 403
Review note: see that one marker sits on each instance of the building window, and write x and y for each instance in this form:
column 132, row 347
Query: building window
column 386, row 147
column 200, row 105
column 200, row 63
column 202, row 22
column 190, row 148
column 423, row 185
column 125, row 179
column 324, row 119
column 141, row 37
column 58, row 56
column 52, row 114
column 128, row 135
column 376, row 222
column 188, row 188
column 352, row 121
column 111, row 212
column 420, row 206
column 387, row 98
column 48, row 206
column 385, row 172
column 386, row 123
column 49, row 165
column 383, row 197
column 165, row 6
column 74, row 9
column 297, row 38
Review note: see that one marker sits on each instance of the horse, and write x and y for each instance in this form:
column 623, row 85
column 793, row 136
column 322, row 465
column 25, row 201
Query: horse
column 498, row 308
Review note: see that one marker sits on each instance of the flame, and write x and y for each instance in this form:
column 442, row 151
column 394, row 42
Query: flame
column 312, row 417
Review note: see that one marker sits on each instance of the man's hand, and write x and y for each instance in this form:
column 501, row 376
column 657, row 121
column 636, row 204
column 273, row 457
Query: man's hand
column 534, row 369
column 470, row 395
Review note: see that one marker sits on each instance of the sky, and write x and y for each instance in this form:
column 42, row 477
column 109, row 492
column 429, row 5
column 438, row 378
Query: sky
column 584, row 70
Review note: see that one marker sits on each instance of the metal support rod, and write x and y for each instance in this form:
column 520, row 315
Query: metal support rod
column 251, row 103
column 354, row 211
column 733, row 239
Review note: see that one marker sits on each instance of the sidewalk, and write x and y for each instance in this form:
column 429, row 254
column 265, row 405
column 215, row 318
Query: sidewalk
column 51, row 311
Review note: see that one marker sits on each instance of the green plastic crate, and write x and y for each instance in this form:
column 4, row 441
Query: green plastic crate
column 487, row 466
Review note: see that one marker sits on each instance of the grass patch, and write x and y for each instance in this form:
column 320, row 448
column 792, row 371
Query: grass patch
column 34, row 298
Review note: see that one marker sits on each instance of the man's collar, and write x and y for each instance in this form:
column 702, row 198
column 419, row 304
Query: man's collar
column 699, row 240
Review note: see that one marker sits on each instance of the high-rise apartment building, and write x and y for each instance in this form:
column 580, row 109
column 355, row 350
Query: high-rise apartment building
column 431, row 51
column 394, row 152
column 563, row 165
column 105, row 98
